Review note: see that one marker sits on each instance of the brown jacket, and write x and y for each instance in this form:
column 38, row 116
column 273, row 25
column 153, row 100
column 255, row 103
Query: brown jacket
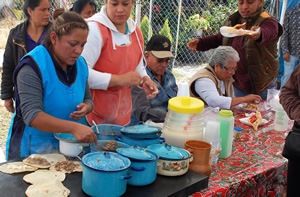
column 208, row 72
column 261, row 60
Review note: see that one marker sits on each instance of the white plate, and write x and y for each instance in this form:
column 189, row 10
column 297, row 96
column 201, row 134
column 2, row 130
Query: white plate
column 230, row 32
column 246, row 121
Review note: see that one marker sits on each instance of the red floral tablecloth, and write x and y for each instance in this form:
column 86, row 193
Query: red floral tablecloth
column 255, row 167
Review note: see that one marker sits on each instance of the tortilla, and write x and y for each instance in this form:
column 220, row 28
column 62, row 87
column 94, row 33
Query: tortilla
column 251, row 106
column 240, row 26
column 16, row 167
column 257, row 122
column 53, row 158
column 37, row 160
column 41, row 176
column 47, row 189
column 66, row 167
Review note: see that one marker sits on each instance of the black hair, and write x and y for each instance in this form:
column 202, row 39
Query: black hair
column 32, row 4
column 80, row 4
column 63, row 24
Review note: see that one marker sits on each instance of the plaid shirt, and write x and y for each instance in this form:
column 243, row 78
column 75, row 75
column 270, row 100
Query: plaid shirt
column 290, row 39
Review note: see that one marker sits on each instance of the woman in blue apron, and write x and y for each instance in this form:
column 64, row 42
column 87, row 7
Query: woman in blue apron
column 52, row 93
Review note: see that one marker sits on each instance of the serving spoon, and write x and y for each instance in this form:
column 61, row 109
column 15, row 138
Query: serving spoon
column 97, row 130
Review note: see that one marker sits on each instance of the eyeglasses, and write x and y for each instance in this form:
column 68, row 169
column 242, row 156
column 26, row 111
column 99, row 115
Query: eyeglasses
column 230, row 70
column 163, row 60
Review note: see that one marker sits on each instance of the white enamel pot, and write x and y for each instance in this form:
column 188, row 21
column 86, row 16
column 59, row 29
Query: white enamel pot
column 173, row 161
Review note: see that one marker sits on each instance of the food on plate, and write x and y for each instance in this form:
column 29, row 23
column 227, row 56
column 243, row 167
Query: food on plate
column 52, row 188
column 251, row 106
column 67, row 167
column 40, row 176
column 240, row 26
column 37, row 161
column 16, row 167
column 255, row 120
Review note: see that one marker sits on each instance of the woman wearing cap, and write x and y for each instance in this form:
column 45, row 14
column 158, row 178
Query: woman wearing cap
column 86, row 8
column 158, row 54
column 114, row 54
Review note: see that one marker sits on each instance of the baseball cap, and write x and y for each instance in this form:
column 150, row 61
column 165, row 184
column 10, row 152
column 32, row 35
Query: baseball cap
column 159, row 46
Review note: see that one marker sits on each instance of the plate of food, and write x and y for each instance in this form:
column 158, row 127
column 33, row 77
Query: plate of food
column 255, row 120
column 253, row 107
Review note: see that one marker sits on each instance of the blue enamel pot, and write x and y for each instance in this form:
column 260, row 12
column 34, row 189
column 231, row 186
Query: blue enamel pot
column 141, row 131
column 107, row 145
column 105, row 174
column 143, row 166
column 107, row 131
column 140, row 142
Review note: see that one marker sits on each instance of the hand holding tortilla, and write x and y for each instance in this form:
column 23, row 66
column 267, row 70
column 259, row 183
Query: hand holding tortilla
column 238, row 30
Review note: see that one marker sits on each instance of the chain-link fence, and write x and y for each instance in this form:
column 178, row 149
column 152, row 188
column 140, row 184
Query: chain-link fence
column 179, row 20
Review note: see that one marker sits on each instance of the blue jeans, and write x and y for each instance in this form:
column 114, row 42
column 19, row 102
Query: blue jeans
column 289, row 67
column 263, row 94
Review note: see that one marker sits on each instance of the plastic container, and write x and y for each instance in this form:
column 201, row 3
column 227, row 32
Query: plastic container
column 226, row 121
column 212, row 136
column 237, row 132
column 281, row 121
column 183, row 121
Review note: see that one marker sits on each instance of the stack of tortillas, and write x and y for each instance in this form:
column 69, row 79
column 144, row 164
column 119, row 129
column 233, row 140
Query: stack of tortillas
column 49, row 173
column 46, row 183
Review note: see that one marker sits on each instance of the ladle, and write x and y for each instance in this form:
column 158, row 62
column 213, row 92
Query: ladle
column 97, row 130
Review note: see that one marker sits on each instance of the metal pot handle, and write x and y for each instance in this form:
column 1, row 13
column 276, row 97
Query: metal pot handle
column 137, row 168
column 126, row 177
column 191, row 155
column 162, row 140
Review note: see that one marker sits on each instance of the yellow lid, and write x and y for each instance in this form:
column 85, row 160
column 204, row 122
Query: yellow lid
column 186, row 105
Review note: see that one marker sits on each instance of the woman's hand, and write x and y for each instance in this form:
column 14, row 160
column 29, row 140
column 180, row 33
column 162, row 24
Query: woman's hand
column 9, row 105
column 128, row 79
column 149, row 87
column 84, row 133
column 252, row 98
column 286, row 57
column 83, row 109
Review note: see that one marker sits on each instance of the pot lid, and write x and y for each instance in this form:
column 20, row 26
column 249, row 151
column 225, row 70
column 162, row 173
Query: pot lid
column 186, row 105
column 67, row 137
column 138, row 153
column 166, row 151
column 141, row 129
column 106, row 161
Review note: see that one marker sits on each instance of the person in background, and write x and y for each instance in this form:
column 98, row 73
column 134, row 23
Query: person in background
column 86, row 8
column 290, row 42
column 290, row 101
column 22, row 39
column 258, row 66
column 114, row 54
column 52, row 92
column 213, row 83
column 157, row 56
